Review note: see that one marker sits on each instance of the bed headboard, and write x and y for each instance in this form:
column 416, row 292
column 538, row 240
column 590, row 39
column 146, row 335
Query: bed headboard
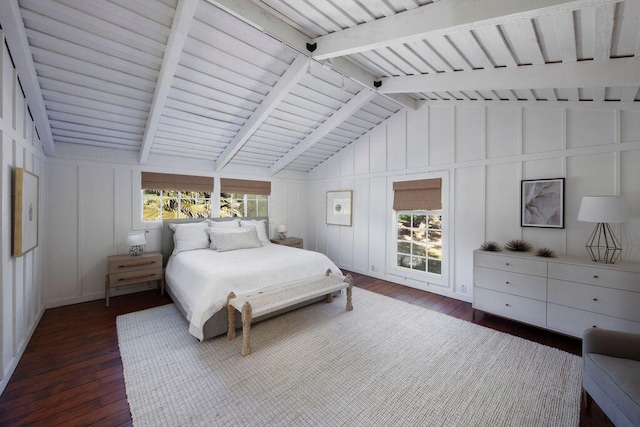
column 167, row 233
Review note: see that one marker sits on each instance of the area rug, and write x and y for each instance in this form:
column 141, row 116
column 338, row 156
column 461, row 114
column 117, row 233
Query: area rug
column 384, row 363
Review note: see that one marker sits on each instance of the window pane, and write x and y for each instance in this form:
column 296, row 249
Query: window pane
column 419, row 264
column 169, row 207
column 419, row 249
column 420, row 236
column 435, row 236
column 420, row 221
column 404, row 220
column 252, row 208
column 435, row 252
column 435, row 221
column 435, row 266
column 404, row 247
column 404, row 234
column 151, row 208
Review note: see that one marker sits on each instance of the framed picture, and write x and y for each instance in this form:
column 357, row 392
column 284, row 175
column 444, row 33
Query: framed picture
column 542, row 203
column 25, row 211
column 339, row 207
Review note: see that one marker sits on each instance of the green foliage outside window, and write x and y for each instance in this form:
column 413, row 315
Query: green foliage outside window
column 161, row 204
column 419, row 244
column 243, row 205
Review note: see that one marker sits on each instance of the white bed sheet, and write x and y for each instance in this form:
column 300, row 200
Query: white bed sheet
column 201, row 279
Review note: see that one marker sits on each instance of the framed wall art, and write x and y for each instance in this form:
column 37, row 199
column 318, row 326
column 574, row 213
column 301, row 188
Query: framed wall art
column 542, row 203
column 339, row 207
column 25, row 211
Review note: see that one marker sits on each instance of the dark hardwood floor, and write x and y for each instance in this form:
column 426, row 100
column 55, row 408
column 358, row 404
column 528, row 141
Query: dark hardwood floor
column 71, row 372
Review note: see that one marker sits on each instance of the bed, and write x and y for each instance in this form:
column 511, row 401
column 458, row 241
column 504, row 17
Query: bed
column 198, row 278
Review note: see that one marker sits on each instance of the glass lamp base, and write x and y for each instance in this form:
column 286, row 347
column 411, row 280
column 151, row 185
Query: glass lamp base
column 135, row 250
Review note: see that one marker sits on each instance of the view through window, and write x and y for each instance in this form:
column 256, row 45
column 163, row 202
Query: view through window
column 243, row 205
column 164, row 204
column 419, row 241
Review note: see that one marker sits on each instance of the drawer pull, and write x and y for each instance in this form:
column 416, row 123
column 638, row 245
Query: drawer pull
column 594, row 326
column 595, row 299
column 507, row 282
column 507, row 305
column 506, row 263
column 137, row 277
column 595, row 277
column 137, row 264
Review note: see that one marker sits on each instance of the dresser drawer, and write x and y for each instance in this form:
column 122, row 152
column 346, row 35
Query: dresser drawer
column 617, row 279
column 136, row 276
column 514, row 307
column 524, row 285
column 574, row 322
column 597, row 299
column 507, row 263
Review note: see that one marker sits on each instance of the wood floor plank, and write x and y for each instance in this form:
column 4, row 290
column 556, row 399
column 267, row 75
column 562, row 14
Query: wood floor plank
column 71, row 371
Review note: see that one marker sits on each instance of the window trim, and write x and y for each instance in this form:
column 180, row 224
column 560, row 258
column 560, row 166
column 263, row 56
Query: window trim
column 421, row 279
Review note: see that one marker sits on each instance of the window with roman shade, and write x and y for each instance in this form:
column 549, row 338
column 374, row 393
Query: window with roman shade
column 418, row 207
column 170, row 196
column 244, row 198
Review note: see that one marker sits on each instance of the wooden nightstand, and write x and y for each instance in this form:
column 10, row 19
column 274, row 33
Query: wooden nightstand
column 294, row 242
column 127, row 270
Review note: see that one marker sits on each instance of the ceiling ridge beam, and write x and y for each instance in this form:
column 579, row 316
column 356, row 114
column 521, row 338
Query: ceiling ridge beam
column 276, row 27
column 282, row 88
column 438, row 18
column 182, row 20
column 16, row 37
column 337, row 118
column 620, row 72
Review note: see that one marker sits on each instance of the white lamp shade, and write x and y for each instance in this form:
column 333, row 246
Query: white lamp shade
column 609, row 209
column 282, row 228
column 136, row 239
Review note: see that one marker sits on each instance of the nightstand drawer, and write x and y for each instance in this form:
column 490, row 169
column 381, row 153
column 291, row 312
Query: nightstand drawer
column 125, row 263
column 135, row 276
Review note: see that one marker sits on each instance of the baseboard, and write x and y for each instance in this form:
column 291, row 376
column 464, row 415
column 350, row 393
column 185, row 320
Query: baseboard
column 21, row 350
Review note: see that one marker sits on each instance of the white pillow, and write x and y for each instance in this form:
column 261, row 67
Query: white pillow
column 213, row 231
column 261, row 228
column 234, row 223
column 232, row 241
column 189, row 236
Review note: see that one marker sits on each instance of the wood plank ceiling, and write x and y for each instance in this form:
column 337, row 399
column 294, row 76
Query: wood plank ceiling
column 286, row 84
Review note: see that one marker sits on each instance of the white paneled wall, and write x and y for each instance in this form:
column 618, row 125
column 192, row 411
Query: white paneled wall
column 21, row 298
column 484, row 150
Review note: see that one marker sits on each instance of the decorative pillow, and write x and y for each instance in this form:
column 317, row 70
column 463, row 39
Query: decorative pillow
column 212, row 231
column 261, row 228
column 234, row 223
column 232, row 241
column 189, row 236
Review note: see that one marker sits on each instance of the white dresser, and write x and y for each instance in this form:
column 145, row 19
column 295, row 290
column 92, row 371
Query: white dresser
column 563, row 294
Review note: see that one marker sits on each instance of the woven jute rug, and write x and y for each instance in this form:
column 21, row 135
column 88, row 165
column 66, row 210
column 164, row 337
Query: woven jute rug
column 384, row 363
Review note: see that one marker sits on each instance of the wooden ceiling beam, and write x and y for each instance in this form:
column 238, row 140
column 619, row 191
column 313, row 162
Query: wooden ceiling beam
column 287, row 82
column 182, row 19
column 439, row 18
column 621, row 72
column 288, row 32
column 16, row 37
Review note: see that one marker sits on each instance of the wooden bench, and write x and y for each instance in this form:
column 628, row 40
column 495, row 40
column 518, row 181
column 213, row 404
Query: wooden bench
column 268, row 301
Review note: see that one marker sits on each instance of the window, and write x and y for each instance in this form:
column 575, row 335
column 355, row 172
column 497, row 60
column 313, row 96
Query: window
column 168, row 196
column 233, row 204
column 240, row 197
column 418, row 209
column 419, row 241
column 168, row 204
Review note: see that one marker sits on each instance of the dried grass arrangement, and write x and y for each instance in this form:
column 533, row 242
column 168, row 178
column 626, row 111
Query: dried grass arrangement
column 546, row 253
column 518, row 246
column 491, row 246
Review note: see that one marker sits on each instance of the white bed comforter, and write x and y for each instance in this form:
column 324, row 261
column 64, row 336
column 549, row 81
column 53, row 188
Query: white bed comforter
column 201, row 279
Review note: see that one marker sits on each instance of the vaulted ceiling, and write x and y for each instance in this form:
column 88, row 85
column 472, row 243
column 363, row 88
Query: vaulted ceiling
column 286, row 84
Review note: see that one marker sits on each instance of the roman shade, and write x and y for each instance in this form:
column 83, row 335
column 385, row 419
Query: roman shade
column 245, row 186
column 166, row 181
column 421, row 194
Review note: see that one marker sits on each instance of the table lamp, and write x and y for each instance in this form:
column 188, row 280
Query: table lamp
column 603, row 246
column 136, row 241
column 282, row 231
